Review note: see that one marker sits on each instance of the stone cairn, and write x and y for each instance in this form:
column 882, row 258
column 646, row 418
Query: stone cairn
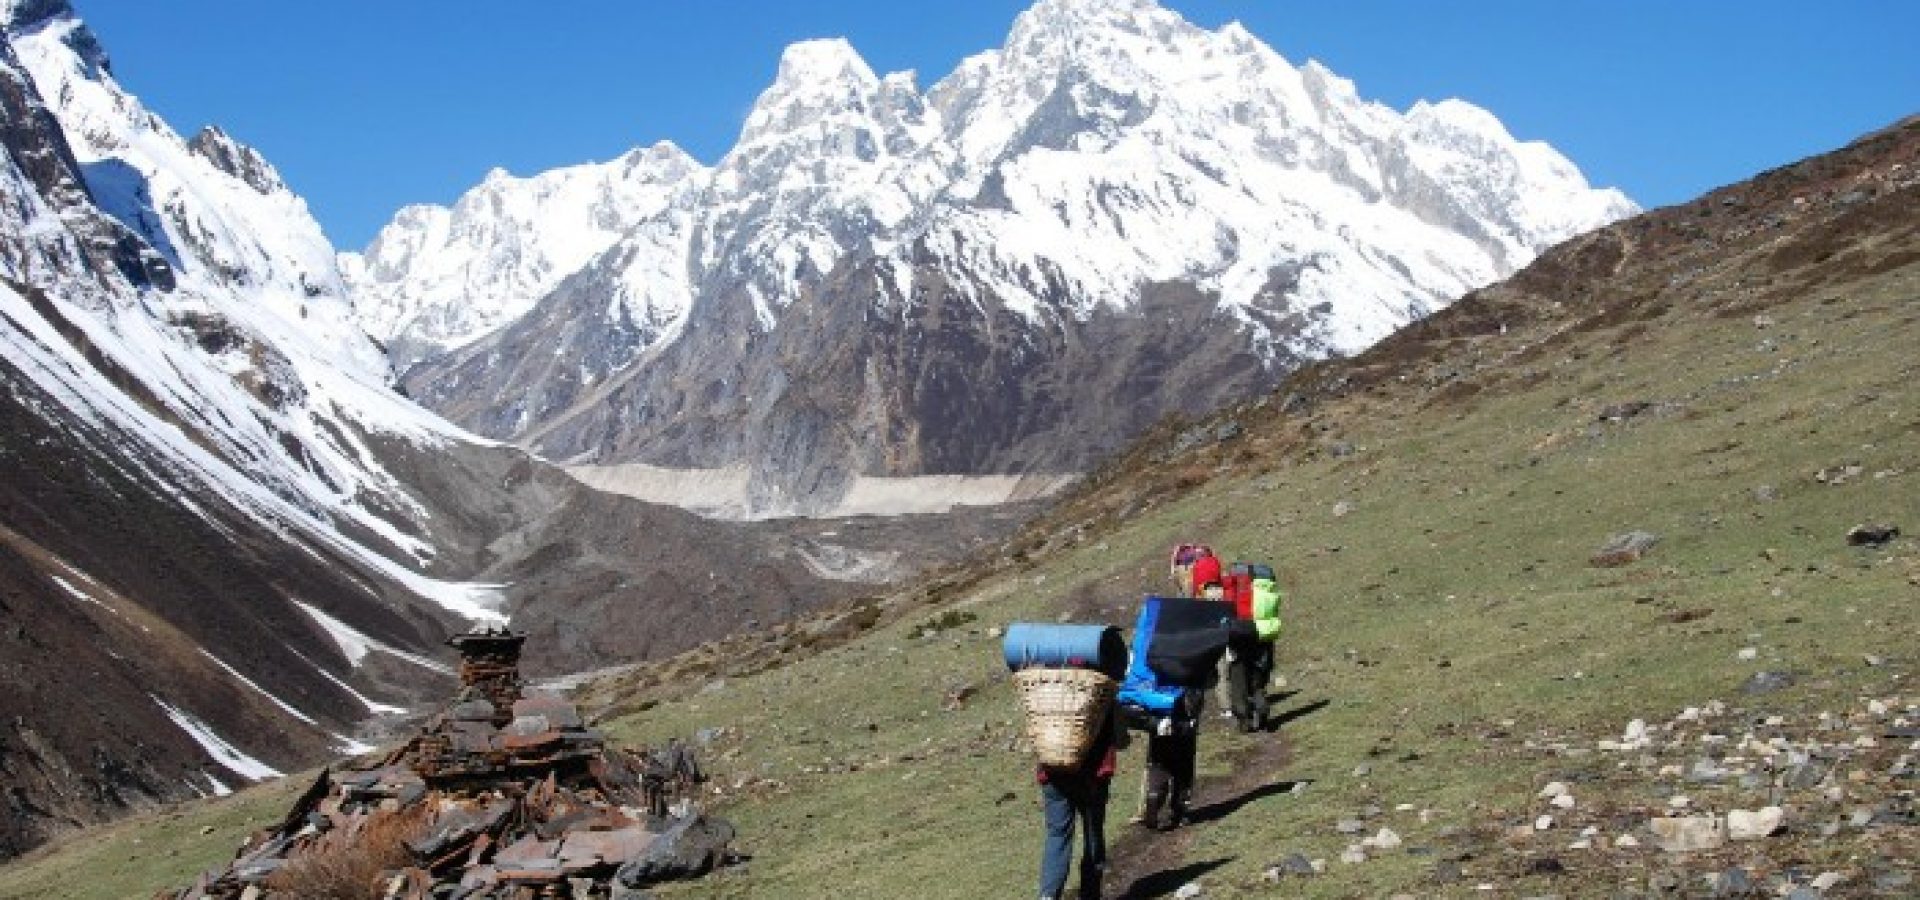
column 505, row 794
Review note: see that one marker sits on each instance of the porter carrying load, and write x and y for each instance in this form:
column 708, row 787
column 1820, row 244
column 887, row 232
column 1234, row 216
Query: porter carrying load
column 1065, row 675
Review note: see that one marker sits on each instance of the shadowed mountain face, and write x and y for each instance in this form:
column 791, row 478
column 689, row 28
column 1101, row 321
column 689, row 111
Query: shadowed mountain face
column 1114, row 216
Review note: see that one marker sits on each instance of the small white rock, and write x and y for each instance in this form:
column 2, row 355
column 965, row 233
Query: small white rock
column 1564, row 801
column 1827, row 880
column 1552, row 790
column 1189, row 891
column 1543, row 823
column 1581, row 844
column 1749, row 653
column 1679, row 801
column 1744, row 825
column 1354, row 854
column 1627, row 840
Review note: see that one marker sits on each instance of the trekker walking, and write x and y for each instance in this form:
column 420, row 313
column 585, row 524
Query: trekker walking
column 1079, row 794
column 1252, row 668
column 1255, row 594
column 1171, row 748
column 1180, row 569
column 1206, row 573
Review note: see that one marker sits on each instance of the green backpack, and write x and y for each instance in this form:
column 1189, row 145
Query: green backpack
column 1266, row 608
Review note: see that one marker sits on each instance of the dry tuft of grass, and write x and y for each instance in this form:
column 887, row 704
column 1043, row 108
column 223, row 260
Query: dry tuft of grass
column 354, row 863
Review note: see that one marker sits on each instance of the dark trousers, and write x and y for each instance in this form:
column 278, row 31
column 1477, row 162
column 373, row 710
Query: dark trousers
column 1170, row 763
column 1067, row 798
column 1247, row 679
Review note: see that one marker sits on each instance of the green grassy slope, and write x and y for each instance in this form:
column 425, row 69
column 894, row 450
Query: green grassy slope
column 1448, row 647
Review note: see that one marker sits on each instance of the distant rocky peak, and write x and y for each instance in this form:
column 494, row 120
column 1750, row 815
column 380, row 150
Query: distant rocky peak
column 25, row 16
column 662, row 162
column 1056, row 28
column 236, row 159
column 818, row 79
column 1128, row 14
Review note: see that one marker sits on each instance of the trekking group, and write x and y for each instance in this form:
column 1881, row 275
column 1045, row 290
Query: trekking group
column 1085, row 690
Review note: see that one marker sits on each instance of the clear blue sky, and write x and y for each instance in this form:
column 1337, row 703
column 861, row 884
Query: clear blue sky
column 367, row 105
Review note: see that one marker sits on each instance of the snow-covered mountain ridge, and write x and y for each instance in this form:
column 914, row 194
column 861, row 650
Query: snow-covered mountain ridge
column 225, row 541
column 1108, row 155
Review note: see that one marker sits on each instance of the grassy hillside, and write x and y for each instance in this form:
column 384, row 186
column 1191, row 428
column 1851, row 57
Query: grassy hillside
column 1737, row 376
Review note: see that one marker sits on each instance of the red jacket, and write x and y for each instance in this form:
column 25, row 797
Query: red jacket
column 1206, row 570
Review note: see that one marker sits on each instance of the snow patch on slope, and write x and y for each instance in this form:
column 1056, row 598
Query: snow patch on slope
column 222, row 751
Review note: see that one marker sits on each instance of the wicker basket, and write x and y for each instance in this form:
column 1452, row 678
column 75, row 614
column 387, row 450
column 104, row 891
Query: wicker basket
column 1065, row 708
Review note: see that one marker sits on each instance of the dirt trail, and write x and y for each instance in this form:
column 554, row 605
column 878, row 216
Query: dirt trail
column 1144, row 863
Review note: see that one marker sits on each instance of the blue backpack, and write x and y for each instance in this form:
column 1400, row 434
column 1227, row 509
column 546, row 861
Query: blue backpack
column 1176, row 643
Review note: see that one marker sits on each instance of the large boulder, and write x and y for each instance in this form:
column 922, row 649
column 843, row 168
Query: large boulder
column 691, row 847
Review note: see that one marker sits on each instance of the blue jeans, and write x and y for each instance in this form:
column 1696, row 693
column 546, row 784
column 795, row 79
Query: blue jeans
column 1069, row 797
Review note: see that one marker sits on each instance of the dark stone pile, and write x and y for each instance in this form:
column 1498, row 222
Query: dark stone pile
column 504, row 794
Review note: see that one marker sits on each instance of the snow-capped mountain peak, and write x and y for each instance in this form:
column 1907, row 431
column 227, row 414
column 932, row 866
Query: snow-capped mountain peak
column 438, row 277
column 1045, row 190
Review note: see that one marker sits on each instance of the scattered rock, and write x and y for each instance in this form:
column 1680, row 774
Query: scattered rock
column 1744, row 825
column 1767, row 682
column 1636, row 736
column 1349, row 826
column 1892, row 880
column 1827, row 880
column 1564, row 801
column 1872, row 535
column 1546, row 865
column 1385, row 839
column 1552, row 790
column 1189, row 891
column 1734, row 882
column 1748, row 653
column 1622, row 549
column 1342, row 508
column 1295, row 864
column 1353, row 854
column 1840, row 474
column 1687, row 834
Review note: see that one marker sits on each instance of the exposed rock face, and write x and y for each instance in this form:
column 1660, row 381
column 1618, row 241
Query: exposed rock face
column 44, row 177
column 1114, row 216
column 236, row 159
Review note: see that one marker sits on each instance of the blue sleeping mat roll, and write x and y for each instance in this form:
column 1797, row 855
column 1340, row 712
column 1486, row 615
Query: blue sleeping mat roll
column 1098, row 647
